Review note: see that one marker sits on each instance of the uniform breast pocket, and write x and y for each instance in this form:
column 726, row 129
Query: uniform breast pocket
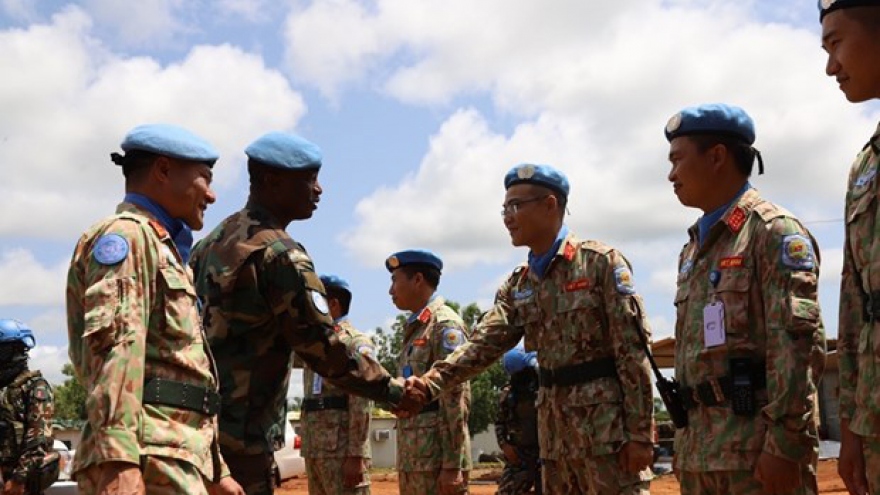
column 105, row 304
column 860, row 204
column 181, row 308
column 527, row 316
column 580, row 317
column 733, row 291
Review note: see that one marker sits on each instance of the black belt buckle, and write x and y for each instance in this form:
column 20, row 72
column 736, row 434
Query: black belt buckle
column 318, row 403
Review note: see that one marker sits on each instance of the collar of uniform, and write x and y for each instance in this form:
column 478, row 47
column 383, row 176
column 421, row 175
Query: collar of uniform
column 339, row 320
column 425, row 313
column 126, row 207
column 874, row 143
column 262, row 215
column 736, row 215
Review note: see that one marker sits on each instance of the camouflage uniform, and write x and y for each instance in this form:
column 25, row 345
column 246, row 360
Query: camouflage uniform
column 437, row 438
column 133, row 325
column 517, row 425
column 858, row 331
column 583, row 310
column 758, row 261
column 332, row 434
column 263, row 301
column 26, row 411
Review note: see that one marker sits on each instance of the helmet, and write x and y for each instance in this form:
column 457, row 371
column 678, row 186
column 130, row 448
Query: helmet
column 517, row 359
column 16, row 331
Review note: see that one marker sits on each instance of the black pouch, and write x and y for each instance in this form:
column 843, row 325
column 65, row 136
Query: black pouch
column 742, row 390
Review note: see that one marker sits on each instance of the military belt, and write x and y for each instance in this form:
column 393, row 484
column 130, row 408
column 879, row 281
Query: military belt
column 324, row 403
column 717, row 391
column 871, row 308
column 180, row 394
column 576, row 374
column 431, row 407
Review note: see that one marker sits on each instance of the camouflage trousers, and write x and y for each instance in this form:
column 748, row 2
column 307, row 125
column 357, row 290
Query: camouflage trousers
column 871, row 450
column 425, row 482
column 518, row 479
column 739, row 482
column 162, row 476
column 599, row 475
column 325, row 477
column 254, row 472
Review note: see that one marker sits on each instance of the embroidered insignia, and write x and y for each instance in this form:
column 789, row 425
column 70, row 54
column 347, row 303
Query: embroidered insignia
column 393, row 262
column 420, row 342
column 674, row 123
column 737, row 219
column 452, row 338
column 425, row 315
column 686, row 267
column 865, row 179
column 40, row 393
column 797, row 252
column 624, row 280
column 365, row 350
column 519, row 295
column 337, row 329
column 577, row 285
column 731, row 262
column 826, row 4
column 110, row 249
column 526, row 172
column 319, row 301
column 159, row 228
column 569, row 252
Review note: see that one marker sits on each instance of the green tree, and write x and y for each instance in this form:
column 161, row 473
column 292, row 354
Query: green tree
column 70, row 397
column 485, row 387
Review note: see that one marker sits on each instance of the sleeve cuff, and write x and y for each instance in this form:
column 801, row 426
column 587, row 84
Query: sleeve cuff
column 116, row 445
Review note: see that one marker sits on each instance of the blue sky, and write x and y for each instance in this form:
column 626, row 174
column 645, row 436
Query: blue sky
column 420, row 107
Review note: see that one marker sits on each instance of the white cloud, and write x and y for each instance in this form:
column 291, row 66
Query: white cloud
column 49, row 360
column 63, row 117
column 27, row 281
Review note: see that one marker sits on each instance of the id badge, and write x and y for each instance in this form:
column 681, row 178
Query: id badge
column 407, row 371
column 713, row 324
column 317, row 384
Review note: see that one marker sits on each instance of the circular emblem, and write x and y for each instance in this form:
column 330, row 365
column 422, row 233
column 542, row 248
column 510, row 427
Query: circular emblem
column 110, row 249
column 393, row 262
column 826, row 4
column 452, row 338
column 320, row 302
column 673, row 124
column 526, row 172
column 797, row 249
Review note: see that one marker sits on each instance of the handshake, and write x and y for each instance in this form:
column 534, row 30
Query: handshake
column 415, row 396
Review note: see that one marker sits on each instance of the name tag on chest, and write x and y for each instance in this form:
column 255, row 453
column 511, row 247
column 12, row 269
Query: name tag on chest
column 713, row 324
column 317, row 384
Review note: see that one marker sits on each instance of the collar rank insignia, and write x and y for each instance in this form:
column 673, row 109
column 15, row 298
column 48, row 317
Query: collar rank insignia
column 737, row 219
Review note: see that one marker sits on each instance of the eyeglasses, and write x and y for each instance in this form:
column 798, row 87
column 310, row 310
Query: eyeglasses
column 512, row 207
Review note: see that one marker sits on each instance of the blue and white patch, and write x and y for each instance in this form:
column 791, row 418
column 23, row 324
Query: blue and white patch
column 452, row 338
column 623, row 278
column 110, row 249
column 523, row 294
column 866, row 178
column 797, row 252
column 320, row 302
column 686, row 267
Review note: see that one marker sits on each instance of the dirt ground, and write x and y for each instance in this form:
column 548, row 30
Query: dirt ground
column 386, row 483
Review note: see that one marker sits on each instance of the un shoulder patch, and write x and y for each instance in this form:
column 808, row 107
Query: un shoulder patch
column 366, row 350
column 452, row 338
column 797, row 252
column 624, row 280
column 110, row 249
column 319, row 302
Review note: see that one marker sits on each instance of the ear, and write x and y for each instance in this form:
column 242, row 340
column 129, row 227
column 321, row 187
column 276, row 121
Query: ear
column 161, row 169
column 718, row 155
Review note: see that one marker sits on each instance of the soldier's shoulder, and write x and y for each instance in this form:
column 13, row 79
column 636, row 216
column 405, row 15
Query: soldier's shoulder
column 594, row 246
column 777, row 220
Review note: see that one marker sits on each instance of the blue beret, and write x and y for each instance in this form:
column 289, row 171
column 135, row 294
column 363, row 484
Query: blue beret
column 712, row 118
column 16, row 331
column 541, row 175
column 287, row 151
column 334, row 281
column 169, row 140
column 827, row 6
column 413, row 256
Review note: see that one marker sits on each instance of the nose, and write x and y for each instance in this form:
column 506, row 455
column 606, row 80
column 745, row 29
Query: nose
column 832, row 67
column 210, row 196
column 671, row 176
column 318, row 189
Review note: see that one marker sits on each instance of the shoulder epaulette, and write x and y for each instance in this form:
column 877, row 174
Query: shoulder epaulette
column 596, row 247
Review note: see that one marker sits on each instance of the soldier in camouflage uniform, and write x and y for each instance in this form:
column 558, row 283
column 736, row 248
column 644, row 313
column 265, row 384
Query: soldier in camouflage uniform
column 433, row 447
column 516, row 427
column 749, row 347
column 263, row 301
column 575, row 304
column 28, row 465
column 335, row 425
column 136, row 341
column 851, row 36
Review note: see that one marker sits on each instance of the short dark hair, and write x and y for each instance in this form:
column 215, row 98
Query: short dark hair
column 135, row 163
column 341, row 295
column 429, row 272
column 743, row 154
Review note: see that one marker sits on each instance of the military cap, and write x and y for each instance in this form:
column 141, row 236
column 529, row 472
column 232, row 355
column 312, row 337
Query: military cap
column 285, row 151
column 168, row 140
column 334, row 281
column 712, row 118
column 828, row 6
column 413, row 257
column 16, row 331
column 541, row 175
